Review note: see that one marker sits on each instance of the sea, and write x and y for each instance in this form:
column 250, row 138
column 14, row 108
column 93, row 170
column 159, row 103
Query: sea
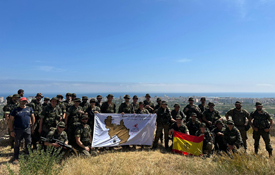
column 117, row 95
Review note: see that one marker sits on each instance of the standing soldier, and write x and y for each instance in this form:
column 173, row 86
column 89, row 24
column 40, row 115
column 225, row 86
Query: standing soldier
column 125, row 108
column 239, row 117
column 84, row 104
column 50, row 116
column 6, row 108
column 134, row 105
column 46, row 102
column 202, row 105
column 190, row 108
column 158, row 105
column 20, row 92
column 108, row 106
column 163, row 122
column 91, row 111
column 68, row 102
column 148, row 104
column 72, row 119
column 210, row 116
column 99, row 103
column 61, row 105
column 37, row 108
column 194, row 124
column 262, row 124
column 176, row 111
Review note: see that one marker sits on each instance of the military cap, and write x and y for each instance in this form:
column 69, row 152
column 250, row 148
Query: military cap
column 39, row 94
column 238, row 103
column 203, row 98
column 84, row 116
column 77, row 100
column 178, row 117
column 211, row 104
column 164, row 102
column 158, row 99
column 61, row 124
column 46, row 99
column 141, row 103
column 191, row 99
column 176, row 105
column 147, row 95
column 135, row 97
column 219, row 121
column 68, row 94
column 54, row 98
column 92, row 100
column 202, row 125
column 84, row 98
column 230, row 122
column 259, row 104
column 193, row 114
column 16, row 95
column 99, row 96
column 59, row 95
column 127, row 96
column 110, row 95
column 73, row 95
column 10, row 96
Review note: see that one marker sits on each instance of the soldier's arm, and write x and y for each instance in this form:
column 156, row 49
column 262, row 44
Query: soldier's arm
column 66, row 117
column 11, row 125
column 229, row 113
column 120, row 109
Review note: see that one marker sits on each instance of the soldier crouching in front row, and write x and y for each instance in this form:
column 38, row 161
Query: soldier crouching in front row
column 232, row 137
column 207, row 140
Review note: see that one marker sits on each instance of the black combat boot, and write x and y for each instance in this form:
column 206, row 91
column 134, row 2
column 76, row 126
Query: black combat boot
column 256, row 150
column 270, row 153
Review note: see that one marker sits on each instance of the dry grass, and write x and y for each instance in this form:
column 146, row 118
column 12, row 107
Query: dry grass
column 161, row 162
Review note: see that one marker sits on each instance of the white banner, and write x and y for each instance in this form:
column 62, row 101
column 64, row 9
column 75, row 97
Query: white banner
column 128, row 129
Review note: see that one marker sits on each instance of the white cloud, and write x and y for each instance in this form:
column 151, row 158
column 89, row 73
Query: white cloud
column 184, row 60
column 265, row 85
column 49, row 69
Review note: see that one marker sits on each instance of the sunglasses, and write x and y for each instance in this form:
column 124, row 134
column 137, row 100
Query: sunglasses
column 84, row 119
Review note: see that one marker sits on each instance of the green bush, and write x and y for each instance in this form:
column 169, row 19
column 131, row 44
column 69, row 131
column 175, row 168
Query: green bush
column 40, row 162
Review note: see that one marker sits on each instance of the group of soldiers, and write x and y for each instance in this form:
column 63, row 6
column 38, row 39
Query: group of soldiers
column 72, row 121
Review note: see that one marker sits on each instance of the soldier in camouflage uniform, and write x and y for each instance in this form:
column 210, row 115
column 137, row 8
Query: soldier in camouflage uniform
column 158, row 105
column 46, row 102
column 125, row 108
column 190, row 108
column 50, row 116
column 202, row 105
column 176, row 111
column 57, row 133
column 178, row 126
column 61, row 105
column 84, row 104
column 72, row 119
column 6, row 109
column 163, row 122
column 108, row 106
column 232, row 137
column 141, row 109
column 68, row 102
column 37, row 108
column 134, row 105
column 98, row 103
column 210, row 116
column 207, row 140
column 73, row 97
column 218, row 132
column 91, row 111
column 83, row 137
column 262, row 124
column 148, row 104
column 193, row 124
column 239, row 116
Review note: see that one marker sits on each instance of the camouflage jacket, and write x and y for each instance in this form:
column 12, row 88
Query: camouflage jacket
column 191, row 109
column 67, row 104
column 232, row 137
column 174, row 113
column 157, row 107
column 211, row 116
column 73, row 115
column 37, row 108
column 84, row 105
column 164, row 116
column 54, row 135
column 239, row 117
column 106, row 108
column 208, row 136
column 44, row 105
column 91, row 114
column 150, row 103
column 84, row 132
column 202, row 108
column 125, row 108
column 134, row 107
column 51, row 116
column 260, row 121
column 193, row 127
column 98, row 104
column 62, row 107
column 144, row 111
column 183, row 128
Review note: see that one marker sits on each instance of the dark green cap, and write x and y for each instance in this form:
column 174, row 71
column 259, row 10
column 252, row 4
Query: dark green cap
column 202, row 125
column 84, row 98
column 16, row 95
column 46, row 99
column 164, row 102
column 191, row 99
column 61, row 124
column 219, row 121
column 110, row 95
column 211, row 104
column 158, row 99
column 84, row 116
column 92, row 100
column 193, row 114
column 99, row 96
column 203, row 98
column 135, row 97
column 127, row 96
column 238, row 103
column 176, row 105
column 147, row 95
column 230, row 122
column 73, row 95
column 178, row 117
column 141, row 103
column 54, row 98
column 68, row 94
column 39, row 94
column 259, row 104
column 77, row 100
column 59, row 96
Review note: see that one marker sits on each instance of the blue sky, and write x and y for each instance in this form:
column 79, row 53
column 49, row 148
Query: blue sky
column 137, row 46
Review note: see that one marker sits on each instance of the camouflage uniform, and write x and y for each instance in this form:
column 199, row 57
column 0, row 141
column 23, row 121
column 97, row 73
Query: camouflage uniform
column 233, row 137
column 134, row 107
column 261, row 121
column 84, row 132
column 106, row 108
column 126, row 108
column 73, row 121
column 174, row 113
column 239, row 118
column 193, row 127
column 150, row 103
column 211, row 116
column 144, row 111
column 192, row 109
column 83, row 104
column 54, row 135
column 91, row 115
column 207, row 140
column 45, row 104
column 202, row 108
column 219, row 140
column 183, row 128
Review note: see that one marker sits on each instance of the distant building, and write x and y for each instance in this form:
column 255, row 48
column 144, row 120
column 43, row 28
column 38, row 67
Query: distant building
column 1, row 99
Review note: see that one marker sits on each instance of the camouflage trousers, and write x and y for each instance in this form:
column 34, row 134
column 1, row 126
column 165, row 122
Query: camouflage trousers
column 161, row 126
column 243, row 135
column 266, row 138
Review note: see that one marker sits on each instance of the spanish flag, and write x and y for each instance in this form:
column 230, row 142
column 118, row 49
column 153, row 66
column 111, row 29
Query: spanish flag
column 187, row 144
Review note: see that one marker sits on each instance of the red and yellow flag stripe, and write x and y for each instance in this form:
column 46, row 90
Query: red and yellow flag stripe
column 187, row 144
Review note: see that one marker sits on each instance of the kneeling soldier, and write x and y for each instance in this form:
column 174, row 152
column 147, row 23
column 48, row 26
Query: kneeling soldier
column 232, row 137
column 207, row 140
